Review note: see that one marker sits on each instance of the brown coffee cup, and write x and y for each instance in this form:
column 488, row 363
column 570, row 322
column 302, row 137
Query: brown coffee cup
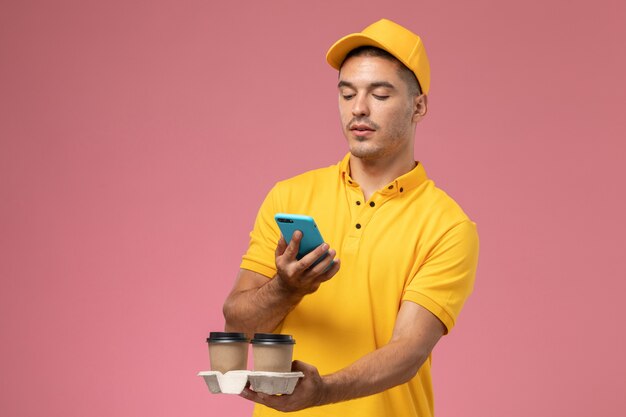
column 228, row 351
column 272, row 352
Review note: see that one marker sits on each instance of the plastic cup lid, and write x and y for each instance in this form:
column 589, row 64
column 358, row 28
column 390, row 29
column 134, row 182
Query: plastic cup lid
column 226, row 337
column 273, row 339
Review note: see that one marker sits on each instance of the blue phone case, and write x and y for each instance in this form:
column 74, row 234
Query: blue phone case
column 311, row 236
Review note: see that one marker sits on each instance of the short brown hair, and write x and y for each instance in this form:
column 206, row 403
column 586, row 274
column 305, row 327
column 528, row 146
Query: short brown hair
column 406, row 74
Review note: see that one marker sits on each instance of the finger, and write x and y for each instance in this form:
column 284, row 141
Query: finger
column 268, row 400
column 292, row 249
column 314, row 255
column 332, row 271
column 282, row 245
column 305, row 368
column 324, row 264
column 248, row 394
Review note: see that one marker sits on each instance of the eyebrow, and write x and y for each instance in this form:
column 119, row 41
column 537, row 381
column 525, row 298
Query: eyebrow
column 375, row 84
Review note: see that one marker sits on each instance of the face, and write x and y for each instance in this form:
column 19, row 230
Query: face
column 377, row 111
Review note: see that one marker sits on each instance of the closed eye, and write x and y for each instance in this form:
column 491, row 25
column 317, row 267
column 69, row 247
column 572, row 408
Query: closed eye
column 380, row 97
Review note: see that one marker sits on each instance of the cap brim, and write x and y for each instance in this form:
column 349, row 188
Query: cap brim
column 337, row 53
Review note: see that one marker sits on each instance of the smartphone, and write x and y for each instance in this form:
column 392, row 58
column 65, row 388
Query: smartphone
column 311, row 236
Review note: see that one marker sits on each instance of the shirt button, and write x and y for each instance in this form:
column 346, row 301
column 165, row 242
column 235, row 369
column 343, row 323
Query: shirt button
column 372, row 204
column 401, row 189
column 358, row 203
column 358, row 225
column 390, row 187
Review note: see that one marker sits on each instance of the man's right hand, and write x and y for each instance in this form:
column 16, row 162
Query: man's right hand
column 299, row 277
column 258, row 304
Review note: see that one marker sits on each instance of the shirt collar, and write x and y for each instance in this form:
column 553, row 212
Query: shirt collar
column 412, row 179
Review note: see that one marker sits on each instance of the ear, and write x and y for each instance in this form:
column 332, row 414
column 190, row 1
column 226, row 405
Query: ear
column 420, row 107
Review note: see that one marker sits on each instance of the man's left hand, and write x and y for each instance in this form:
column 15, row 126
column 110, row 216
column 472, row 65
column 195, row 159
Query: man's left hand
column 308, row 393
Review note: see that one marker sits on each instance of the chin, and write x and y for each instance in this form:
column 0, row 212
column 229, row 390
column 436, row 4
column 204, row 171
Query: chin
column 365, row 152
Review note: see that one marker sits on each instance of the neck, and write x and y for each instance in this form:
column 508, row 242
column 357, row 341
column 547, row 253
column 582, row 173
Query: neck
column 372, row 175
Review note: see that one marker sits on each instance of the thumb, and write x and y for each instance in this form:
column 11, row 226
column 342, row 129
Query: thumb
column 305, row 368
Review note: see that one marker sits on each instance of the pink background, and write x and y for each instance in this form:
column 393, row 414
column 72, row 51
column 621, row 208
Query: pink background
column 138, row 139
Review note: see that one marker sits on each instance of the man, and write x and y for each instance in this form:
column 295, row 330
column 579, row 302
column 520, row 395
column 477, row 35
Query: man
column 405, row 252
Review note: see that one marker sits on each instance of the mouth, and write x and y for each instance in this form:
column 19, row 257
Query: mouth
column 361, row 129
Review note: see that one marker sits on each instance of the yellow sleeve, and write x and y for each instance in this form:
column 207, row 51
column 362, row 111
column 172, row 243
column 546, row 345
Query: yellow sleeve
column 446, row 277
column 260, row 256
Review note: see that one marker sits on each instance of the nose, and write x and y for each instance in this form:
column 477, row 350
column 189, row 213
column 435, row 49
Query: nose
column 359, row 106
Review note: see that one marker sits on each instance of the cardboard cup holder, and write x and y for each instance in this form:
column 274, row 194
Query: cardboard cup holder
column 233, row 382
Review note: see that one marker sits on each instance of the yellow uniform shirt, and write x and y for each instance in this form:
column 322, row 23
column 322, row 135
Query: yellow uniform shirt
column 410, row 241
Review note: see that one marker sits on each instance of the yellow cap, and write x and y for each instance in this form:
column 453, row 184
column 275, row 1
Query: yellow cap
column 391, row 37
